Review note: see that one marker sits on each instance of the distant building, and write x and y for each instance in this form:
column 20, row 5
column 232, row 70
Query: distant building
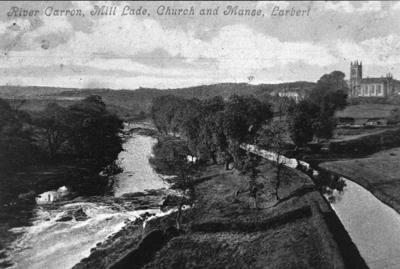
column 290, row 93
column 383, row 87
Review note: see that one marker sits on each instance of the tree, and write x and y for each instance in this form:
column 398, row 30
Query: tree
column 94, row 131
column 301, row 122
column 250, row 168
column 272, row 138
column 242, row 119
column 170, row 158
column 52, row 120
column 209, row 132
column 16, row 144
column 330, row 91
column 282, row 105
column 212, row 126
column 330, row 95
column 163, row 111
column 324, row 124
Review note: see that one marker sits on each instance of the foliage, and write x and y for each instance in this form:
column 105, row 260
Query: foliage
column 212, row 127
column 300, row 121
column 272, row 138
column 16, row 149
column 52, row 127
column 330, row 95
column 93, row 131
column 314, row 116
column 250, row 168
column 84, row 130
column 170, row 157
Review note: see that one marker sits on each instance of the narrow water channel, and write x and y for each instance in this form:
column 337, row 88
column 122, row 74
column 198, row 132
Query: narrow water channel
column 373, row 226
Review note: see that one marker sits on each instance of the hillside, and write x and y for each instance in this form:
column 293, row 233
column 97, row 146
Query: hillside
column 227, row 89
column 29, row 91
column 128, row 103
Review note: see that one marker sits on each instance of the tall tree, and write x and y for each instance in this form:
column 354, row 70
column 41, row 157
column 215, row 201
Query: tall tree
column 250, row 169
column 272, row 138
column 330, row 95
column 170, row 157
column 209, row 132
column 243, row 117
column 52, row 120
column 95, row 132
column 16, row 148
column 301, row 122
column 164, row 112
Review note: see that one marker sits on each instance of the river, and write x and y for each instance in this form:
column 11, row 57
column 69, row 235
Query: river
column 372, row 225
column 48, row 243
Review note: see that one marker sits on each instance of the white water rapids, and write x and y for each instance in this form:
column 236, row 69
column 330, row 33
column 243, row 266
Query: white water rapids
column 60, row 245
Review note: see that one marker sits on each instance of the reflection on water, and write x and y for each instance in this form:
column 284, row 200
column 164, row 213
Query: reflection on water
column 331, row 186
column 49, row 243
column 373, row 226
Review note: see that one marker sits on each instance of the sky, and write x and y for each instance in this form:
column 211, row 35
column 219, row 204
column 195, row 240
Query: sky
column 166, row 51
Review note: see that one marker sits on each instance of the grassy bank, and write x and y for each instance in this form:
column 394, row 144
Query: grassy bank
column 223, row 230
column 379, row 173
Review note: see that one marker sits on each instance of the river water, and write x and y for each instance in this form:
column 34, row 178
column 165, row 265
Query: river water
column 48, row 244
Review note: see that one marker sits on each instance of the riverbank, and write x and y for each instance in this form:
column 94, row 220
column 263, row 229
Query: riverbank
column 378, row 173
column 82, row 175
column 18, row 198
column 224, row 230
column 75, row 224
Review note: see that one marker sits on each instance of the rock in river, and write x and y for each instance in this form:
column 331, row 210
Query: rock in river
column 77, row 214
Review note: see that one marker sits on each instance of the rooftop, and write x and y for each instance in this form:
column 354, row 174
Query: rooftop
column 378, row 80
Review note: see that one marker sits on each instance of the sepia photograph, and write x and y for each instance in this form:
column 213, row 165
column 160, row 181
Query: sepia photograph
column 200, row 134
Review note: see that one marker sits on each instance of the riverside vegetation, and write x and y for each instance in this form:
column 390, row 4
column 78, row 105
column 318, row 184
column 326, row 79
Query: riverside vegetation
column 244, row 212
column 214, row 129
column 82, row 139
column 210, row 132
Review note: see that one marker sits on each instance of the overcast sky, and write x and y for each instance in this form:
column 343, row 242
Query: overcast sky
column 178, row 51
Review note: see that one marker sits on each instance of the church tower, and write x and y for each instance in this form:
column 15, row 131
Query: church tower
column 355, row 78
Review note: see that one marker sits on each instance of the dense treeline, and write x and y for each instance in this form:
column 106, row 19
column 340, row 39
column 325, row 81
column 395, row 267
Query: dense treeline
column 16, row 142
column 208, row 130
column 85, row 132
column 213, row 128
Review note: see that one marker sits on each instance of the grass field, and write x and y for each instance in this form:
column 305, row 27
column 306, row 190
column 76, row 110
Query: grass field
column 367, row 111
column 224, row 230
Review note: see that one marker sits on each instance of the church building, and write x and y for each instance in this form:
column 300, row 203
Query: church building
column 382, row 87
